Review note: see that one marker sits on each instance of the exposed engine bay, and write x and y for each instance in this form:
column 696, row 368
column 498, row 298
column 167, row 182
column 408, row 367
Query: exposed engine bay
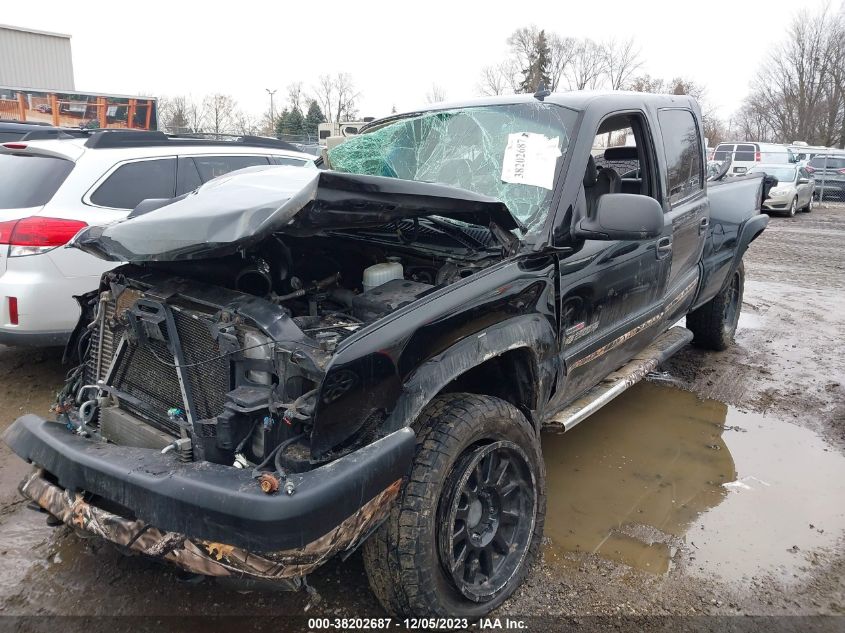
column 223, row 359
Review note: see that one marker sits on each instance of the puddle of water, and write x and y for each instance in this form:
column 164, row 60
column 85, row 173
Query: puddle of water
column 648, row 472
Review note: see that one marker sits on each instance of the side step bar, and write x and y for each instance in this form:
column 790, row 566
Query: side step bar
column 622, row 379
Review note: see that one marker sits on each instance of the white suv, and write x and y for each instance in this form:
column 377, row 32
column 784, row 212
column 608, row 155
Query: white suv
column 50, row 189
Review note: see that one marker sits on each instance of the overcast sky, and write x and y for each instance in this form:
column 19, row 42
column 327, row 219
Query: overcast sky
column 393, row 50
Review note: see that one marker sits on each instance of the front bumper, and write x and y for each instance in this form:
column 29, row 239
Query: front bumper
column 209, row 518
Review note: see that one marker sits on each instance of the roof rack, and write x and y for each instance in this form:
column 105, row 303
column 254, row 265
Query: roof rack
column 114, row 138
column 55, row 133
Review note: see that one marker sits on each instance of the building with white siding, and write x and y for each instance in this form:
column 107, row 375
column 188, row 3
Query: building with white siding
column 35, row 59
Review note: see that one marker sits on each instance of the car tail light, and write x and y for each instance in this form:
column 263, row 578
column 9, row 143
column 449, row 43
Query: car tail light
column 13, row 310
column 14, row 145
column 757, row 156
column 35, row 235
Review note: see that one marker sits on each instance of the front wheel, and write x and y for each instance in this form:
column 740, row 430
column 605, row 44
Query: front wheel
column 714, row 324
column 793, row 207
column 468, row 524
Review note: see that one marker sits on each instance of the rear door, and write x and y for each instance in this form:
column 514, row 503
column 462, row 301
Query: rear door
column 687, row 214
column 744, row 158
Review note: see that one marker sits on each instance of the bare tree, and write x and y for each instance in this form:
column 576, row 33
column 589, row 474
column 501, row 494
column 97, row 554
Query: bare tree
column 294, row 90
column 587, row 65
column 621, row 61
column 436, row 94
column 337, row 97
column 799, row 90
column 495, row 80
column 246, row 124
column 220, row 112
column 562, row 49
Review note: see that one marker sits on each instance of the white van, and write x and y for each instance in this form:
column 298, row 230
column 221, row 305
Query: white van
column 744, row 155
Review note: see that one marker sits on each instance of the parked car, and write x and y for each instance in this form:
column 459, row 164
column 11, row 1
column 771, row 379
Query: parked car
column 794, row 190
column 744, row 156
column 829, row 173
column 14, row 130
column 454, row 281
column 50, row 189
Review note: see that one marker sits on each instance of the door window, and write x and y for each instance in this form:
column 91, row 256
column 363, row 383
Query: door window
column 212, row 166
column 682, row 146
column 723, row 152
column 133, row 182
column 187, row 176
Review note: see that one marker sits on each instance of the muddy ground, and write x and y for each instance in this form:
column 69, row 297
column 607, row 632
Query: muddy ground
column 716, row 488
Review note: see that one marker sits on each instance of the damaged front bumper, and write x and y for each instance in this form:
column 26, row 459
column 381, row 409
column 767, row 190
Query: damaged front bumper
column 206, row 518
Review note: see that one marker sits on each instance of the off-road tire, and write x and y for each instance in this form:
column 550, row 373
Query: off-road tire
column 714, row 324
column 402, row 558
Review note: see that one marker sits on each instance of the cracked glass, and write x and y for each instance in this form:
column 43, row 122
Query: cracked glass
column 508, row 152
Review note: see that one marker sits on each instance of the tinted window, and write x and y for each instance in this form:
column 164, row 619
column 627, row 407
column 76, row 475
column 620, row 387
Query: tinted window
column 723, row 152
column 745, row 152
column 187, row 176
column 133, row 182
column 682, row 146
column 10, row 136
column 30, row 181
column 832, row 163
column 212, row 166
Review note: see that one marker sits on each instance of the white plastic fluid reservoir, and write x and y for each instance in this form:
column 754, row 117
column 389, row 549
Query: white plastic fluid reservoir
column 382, row 273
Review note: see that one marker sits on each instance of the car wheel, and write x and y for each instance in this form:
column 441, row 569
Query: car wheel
column 809, row 206
column 468, row 523
column 714, row 324
column 793, row 207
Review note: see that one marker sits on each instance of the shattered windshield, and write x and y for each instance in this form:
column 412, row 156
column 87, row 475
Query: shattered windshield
column 509, row 152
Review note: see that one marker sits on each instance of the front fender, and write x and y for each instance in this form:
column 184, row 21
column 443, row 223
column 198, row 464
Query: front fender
column 531, row 332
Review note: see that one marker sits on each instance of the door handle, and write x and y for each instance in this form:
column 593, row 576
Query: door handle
column 703, row 225
column 664, row 247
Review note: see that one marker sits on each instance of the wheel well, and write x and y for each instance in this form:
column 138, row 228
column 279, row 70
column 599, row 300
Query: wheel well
column 511, row 376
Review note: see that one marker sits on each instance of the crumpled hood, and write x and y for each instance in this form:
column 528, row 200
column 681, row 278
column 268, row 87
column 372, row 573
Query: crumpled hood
column 240, row 209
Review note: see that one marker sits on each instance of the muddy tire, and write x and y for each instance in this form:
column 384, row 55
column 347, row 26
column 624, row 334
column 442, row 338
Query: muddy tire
column 468, row 523
column 714, row 324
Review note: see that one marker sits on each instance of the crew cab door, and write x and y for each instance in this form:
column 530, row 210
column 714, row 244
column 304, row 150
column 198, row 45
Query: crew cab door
column 611, row 291
column 686, row 207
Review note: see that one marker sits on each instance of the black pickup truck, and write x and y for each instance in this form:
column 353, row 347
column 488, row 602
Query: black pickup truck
column 292, row 363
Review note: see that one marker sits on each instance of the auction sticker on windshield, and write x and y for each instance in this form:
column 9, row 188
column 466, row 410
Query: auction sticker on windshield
column 530, row 159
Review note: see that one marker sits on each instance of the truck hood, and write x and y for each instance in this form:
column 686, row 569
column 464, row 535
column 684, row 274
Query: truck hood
column 240, row 209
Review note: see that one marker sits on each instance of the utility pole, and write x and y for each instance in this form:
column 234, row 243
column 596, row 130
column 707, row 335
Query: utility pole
column 272, row 111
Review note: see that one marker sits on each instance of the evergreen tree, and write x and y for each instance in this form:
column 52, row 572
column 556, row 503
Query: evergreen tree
column 290, row 122
column 538, row 66
column 313, row 118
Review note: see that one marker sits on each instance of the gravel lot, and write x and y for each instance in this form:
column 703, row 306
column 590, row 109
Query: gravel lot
column 640, row 521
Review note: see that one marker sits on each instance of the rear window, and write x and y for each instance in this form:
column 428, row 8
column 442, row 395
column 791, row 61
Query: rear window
column 723, row 152
column 133, row 182
column 682, row 147
column 832, row 163
column 745, row 152
column 30, row 181
column 293, row 162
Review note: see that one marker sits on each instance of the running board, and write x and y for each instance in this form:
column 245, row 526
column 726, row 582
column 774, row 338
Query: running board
column 622, row 379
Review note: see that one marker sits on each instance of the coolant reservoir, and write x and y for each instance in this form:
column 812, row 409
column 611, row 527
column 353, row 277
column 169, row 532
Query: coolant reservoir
column 382, row 273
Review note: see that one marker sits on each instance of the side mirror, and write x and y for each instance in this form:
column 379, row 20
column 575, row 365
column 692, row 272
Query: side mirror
column 803, row 181
column 623, row 216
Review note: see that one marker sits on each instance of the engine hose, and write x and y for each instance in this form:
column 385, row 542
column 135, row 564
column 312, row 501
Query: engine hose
column 87, row 412
column 256, row 472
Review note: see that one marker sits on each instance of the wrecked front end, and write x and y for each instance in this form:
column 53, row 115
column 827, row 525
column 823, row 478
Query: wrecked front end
column 194, row 429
